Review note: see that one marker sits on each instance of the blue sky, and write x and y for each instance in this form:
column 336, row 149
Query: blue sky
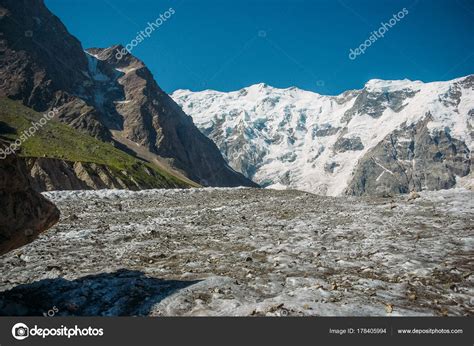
column 229, row 44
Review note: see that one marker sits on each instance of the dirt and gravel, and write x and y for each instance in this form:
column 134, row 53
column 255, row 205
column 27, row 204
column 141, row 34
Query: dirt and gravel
column 246, row 252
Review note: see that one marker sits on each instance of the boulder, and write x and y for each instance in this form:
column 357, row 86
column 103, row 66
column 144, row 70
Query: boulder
column 24, row 213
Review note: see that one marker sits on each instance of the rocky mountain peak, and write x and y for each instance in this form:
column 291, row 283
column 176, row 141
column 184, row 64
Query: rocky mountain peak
column 113, row 97
column 116, row 56
column 40, row 56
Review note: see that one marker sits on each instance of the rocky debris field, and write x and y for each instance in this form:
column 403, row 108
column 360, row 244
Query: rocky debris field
column 246, row 252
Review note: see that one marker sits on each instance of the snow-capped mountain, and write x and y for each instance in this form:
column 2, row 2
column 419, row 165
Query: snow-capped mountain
column 389, row 137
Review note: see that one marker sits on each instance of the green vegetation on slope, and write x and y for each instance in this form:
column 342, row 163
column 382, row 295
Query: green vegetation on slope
column 59, row 141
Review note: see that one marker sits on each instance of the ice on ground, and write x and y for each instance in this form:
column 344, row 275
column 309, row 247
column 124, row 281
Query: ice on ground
column 248, row 252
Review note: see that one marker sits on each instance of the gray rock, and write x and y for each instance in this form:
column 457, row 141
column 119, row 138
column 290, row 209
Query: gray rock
column 327, row 130
column 330, row 167
column 375, row 103
column 348, row 144
column 412, row 159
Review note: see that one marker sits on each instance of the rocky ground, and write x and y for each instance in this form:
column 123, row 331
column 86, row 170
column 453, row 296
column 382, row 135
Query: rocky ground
column 246, row 252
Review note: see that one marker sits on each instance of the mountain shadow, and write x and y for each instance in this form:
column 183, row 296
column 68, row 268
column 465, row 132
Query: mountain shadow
column 121, row 293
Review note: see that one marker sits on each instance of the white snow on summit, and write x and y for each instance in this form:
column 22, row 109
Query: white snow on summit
column 286, row 138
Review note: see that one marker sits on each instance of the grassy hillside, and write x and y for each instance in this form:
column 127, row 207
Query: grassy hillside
column 59, row 141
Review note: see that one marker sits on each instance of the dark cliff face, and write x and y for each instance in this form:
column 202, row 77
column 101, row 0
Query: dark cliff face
column 44, row 66
column 412, row 159
column 24, row 213
column 40, row 53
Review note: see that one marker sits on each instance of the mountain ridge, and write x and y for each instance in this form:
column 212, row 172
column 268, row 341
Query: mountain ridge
column 300, row 139
column 49, row 68
column 370, row 82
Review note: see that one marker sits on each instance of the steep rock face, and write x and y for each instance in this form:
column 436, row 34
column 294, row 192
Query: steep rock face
column 46, row 67
column 291, row 138
column 148, row 116
column 38, row 51
column 24, row 213
column 412, row 159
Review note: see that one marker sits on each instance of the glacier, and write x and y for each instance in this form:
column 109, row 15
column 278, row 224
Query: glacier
column 292, row 138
